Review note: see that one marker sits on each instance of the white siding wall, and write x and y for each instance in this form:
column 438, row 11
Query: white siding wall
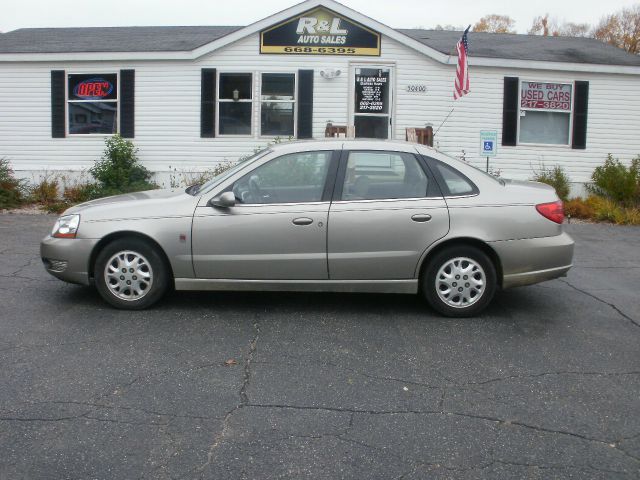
column 168, row 111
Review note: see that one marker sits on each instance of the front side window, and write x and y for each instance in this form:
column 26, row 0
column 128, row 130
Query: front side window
column 235, row 103
column 545, row 112
column 92, row 103
column 383, row 175
column 294, row 178
column 277, row 104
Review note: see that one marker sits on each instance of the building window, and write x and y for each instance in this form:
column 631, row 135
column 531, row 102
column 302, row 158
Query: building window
column 235, row 103
column 277, row 104
column 545, row 113
column 92, row 103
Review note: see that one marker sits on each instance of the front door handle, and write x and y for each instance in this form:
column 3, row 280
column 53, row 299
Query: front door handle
column 421, row 217
column 302, row 221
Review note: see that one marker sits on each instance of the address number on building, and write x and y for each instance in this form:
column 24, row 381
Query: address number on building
column 417, row 88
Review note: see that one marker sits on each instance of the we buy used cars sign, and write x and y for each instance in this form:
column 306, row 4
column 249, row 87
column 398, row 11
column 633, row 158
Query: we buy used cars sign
column 545, row 96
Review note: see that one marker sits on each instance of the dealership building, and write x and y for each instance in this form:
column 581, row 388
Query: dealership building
column 190, row 97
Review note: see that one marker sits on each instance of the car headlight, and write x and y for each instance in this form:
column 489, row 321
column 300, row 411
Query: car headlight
column 66, row 226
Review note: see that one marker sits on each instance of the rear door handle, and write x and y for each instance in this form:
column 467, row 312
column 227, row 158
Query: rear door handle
column 302, row 221
column 421, row 217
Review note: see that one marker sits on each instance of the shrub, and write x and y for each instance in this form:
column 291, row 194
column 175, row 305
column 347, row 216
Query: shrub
column 615, row 181
column 57, row 207
column 80, row 193
column 198, row 178
column 557, row 178
column 579, row 208
column 12, row 190
column 602, row 210
column 46, row 191
column 119, row 170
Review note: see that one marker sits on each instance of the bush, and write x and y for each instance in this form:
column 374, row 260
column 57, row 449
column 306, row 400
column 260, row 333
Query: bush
column 579, row 208
column 57, row 207
column 12, row 190
column 80, row 193
column 557, row 178
column 615, row 181
column 46, row 191
column 602, row 210
column 119, row 171
column 198, row 178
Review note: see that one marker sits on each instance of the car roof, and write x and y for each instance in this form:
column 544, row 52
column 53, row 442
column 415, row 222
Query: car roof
column 350, row 144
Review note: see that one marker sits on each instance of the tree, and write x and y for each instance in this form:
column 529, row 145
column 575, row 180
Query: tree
column 448, row 27
column 622, row 29
column 546, row 27
column 495, row 24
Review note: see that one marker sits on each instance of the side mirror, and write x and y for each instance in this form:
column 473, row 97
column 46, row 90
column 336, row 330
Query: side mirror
column 224, row 200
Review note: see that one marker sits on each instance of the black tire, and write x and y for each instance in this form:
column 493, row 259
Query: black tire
column 148, row 274
column 446, row 298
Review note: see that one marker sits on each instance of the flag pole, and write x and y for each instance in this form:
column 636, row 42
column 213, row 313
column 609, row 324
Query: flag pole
column 445, row 119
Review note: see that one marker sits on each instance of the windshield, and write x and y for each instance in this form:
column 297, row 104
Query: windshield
column 196, row 189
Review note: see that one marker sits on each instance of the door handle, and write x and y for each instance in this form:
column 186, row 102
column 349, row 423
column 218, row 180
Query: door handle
column 421, row 217
column 302, row 221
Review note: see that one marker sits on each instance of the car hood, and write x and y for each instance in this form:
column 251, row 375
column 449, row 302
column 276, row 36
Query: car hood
column 151, row 203
column 132, row 198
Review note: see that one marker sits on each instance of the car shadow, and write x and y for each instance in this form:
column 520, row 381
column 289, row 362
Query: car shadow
column 506, row 307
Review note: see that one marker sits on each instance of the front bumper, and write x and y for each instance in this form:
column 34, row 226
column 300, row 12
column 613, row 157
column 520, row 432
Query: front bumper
column 534, row 260
column 68, row 258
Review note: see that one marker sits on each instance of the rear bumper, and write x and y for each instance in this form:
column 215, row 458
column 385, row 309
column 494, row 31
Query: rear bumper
column 534, row 260
column 67, row 259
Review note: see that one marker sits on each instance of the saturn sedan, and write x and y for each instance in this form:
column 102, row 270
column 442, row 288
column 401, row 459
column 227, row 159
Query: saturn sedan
column 330, row 216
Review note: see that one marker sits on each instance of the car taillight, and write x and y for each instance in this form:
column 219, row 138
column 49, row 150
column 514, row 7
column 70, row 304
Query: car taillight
column 554, row 211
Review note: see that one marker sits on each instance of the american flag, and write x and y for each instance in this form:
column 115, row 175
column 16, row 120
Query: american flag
column 461, row 86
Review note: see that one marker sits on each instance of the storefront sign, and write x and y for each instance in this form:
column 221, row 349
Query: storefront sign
column 92, row 87
column 372, row 91
column 320, row 32
column 545, row 96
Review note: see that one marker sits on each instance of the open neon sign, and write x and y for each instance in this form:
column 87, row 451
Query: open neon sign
column 93, row 89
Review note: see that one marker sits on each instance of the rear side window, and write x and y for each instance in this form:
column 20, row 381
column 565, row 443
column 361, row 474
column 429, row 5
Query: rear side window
column 455, row 182
column 383, row 175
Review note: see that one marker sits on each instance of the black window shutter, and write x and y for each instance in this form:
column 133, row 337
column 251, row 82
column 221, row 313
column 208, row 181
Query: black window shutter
column 58, row 117
column 208, row 103
column 127, row 103
column 305, row 103
column 580, row 110
column 510, row 112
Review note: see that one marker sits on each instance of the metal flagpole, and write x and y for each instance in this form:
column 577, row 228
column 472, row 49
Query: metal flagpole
column 445, row 119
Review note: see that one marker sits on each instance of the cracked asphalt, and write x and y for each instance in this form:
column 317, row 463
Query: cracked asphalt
column 546, row 384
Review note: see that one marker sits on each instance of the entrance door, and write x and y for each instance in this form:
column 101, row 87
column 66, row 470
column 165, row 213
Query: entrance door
column 372, row 101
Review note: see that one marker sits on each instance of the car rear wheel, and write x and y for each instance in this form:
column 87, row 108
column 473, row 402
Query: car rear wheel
column 130, row 274
column 459, row 281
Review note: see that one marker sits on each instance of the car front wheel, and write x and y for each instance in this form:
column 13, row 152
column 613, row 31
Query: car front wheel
column 130, row 274
column 459, row 281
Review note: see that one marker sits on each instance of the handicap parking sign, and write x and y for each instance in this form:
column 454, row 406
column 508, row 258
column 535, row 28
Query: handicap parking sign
column 488, row 143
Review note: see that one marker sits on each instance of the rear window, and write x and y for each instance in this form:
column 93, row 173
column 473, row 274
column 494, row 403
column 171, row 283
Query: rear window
column 456, row 183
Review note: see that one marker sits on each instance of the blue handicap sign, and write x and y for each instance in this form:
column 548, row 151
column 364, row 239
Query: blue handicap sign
column 488, row 146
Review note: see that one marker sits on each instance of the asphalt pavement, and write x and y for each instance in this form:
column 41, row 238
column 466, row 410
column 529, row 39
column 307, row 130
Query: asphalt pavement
column 545, row 384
